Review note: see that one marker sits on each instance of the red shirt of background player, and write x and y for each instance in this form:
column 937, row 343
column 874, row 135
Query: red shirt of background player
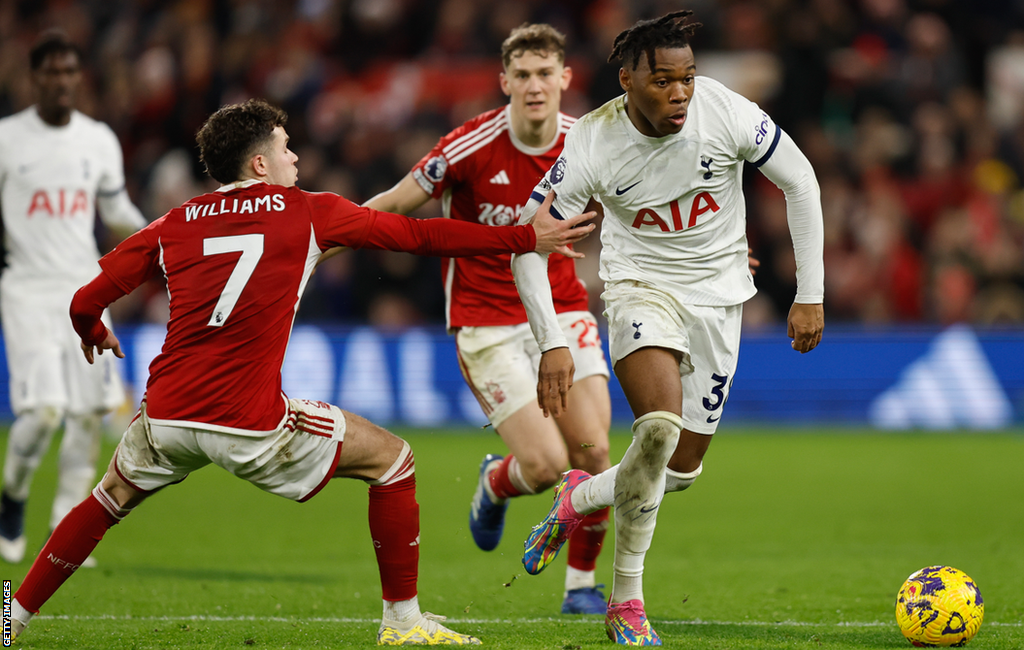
column 483, row 174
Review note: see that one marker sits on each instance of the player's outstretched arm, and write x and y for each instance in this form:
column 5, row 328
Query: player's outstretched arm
column 403, row 198
column 555, row 235
column 805, row 326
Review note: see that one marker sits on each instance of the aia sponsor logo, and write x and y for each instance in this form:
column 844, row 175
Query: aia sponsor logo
column 702, row 203
column 58, row 203
column 499, row 215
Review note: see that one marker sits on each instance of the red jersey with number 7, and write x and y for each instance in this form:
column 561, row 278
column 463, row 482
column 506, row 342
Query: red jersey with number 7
column 236, row 262
column 483, row 173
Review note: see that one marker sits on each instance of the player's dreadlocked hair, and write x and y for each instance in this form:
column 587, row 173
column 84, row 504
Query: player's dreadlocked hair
column 671, row 30
column 236, row 133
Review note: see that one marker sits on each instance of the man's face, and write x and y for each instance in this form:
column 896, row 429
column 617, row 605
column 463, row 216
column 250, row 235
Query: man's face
column 279, row 161
column 56, row 82
column 660, row 96
column 534, row 83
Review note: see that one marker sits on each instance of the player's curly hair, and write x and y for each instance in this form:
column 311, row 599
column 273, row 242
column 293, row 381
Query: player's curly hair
column 234, row 134
column 646, row 36
column 538, row 37
column 52, row 41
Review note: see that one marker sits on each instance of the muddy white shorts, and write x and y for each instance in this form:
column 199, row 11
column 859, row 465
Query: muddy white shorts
column 640, row 316
column 294, row 462
column 44, row 357
column 500, row 363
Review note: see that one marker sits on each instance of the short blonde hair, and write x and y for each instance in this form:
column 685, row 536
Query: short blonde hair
column 541, row 38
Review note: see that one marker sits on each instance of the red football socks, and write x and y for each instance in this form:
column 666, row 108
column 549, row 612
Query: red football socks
column 585, row 542
column 395, row 529
column 501, row 482
column 71, row 542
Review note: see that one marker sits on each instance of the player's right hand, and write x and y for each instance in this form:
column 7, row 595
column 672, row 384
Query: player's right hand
column 109, row 343
column 555, row 235
column 554, row 379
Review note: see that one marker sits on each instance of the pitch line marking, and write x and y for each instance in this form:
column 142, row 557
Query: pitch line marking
column 476, row 621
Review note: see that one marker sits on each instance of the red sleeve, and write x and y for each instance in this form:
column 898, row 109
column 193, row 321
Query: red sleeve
column 87, row 306
column 446, row 237
column 136, row 259
column 339, row 222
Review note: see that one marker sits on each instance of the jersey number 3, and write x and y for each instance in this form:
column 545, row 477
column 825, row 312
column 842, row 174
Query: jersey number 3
column 251, row 247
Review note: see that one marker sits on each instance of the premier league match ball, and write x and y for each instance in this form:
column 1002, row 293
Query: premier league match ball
column 939, row 606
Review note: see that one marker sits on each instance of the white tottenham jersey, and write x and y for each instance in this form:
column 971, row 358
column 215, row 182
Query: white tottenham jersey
column 50, row 178
column 674, row 210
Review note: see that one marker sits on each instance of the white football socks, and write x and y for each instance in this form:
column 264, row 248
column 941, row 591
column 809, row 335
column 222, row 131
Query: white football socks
column 29, row 439
column 402, row 611
column 639, row 489
column 79, row 450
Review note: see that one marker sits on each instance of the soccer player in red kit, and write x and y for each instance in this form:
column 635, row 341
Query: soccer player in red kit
column 236, row 262
column 483, row 172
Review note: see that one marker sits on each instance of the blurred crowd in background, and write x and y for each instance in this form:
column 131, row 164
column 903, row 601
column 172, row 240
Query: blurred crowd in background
column 911, row 111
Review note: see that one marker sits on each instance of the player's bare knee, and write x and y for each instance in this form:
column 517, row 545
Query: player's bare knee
column 590, row 457
column 402, row 467
column 679, row 481
column 543, row 473
column 116, row 495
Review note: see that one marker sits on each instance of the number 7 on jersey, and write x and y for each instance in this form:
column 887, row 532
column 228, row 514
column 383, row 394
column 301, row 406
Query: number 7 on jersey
column 251, row 247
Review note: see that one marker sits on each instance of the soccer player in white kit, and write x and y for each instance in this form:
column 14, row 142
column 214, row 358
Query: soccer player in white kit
column 666, row 160
column 482, row 172
column 56, row 164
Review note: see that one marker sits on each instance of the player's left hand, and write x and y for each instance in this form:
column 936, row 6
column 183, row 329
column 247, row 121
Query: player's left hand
column 109, row 343
column 554, row 379
column 806, row 323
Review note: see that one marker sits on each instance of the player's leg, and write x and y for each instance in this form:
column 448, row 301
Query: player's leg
column 71, row 542
column 147, row 459
column 93, row 390
column 584, row 427
column 497, row 365
column 79, row 451
column 385, row 461
column 27, row 442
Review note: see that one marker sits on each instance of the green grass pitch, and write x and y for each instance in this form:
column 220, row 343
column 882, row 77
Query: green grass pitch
column 789, row 540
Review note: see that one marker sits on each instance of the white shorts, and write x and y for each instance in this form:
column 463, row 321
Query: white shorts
column 294, row 462
column 640, row 316
column 44, row 357
column 500, row 362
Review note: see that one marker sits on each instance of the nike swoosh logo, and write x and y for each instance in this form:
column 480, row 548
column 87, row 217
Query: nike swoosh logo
column 644, row 510
column 712, row 419
column 619, row 192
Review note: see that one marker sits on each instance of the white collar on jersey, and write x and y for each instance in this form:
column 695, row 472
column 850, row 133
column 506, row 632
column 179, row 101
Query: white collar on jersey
column 522, row 146
column 239, row 184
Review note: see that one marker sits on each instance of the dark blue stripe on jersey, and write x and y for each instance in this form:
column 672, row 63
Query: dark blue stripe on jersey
column 771, row 149
column 110, row 192
column 537, row 196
